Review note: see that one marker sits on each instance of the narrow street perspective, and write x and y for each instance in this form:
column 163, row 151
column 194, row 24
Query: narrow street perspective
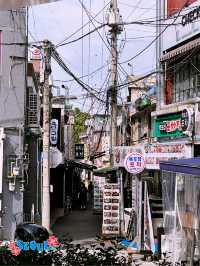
column 100, row 132
column 78, row 227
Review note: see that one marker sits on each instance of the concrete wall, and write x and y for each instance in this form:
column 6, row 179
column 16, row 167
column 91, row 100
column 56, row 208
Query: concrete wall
column 12, row 95
column 32, row 194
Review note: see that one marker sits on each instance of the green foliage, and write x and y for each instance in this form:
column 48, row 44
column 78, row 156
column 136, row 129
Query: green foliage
column 79, row 126
column 66, row 255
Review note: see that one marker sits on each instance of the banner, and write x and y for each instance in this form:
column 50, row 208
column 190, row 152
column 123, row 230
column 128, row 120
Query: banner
column 9, row 4
column 120, row 153
column 154, row 153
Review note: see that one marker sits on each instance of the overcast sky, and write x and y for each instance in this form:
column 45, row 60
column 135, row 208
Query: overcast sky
column 57, row 21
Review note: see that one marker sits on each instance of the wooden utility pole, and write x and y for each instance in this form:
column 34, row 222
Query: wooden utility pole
column 46, row 128
column 114, row 20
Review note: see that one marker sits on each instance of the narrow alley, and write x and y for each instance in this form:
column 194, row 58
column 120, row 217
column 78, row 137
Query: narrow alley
column 78, row 225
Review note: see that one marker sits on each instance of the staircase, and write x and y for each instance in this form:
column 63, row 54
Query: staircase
column 156, row 207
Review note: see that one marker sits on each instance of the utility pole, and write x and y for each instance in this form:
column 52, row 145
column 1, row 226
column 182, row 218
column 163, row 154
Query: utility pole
column 159, row 81
column 114, row 20
column 46, row 145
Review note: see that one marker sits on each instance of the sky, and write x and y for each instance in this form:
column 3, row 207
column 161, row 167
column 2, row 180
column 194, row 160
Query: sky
column 58, row 21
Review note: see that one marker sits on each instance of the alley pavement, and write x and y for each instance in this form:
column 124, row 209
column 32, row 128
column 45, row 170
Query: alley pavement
column 78, row 225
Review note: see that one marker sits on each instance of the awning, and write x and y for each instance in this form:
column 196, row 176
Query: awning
column 185, row 166
column 181, row 50
column 76, row 164
column 105, row 171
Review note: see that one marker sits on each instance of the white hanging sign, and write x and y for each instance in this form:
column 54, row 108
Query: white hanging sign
column 134, row 163
column 54, row 132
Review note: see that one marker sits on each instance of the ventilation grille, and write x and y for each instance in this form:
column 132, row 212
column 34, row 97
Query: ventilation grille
column 33, row 110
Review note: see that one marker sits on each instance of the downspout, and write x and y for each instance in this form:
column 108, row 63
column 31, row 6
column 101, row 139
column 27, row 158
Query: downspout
column 2, row 137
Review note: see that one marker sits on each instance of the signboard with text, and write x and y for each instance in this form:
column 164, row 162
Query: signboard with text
column 120, row 153
column 99, row 182
column 174, row 125
column 134, row 163
column 55, row 127
column 154, row 153
column 111, row 209
column 54, row 132
column 185, row 26
column 79, row 151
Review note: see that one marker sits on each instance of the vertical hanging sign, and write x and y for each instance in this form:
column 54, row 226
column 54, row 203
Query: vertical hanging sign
column 111, row 207
column 54, row 132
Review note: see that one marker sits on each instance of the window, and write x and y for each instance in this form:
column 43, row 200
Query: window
column 186, row 80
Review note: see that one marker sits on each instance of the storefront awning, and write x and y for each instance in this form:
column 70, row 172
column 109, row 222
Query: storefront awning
column 105, row 171
column 75, row 164
column 185, row 166
column 181, row 50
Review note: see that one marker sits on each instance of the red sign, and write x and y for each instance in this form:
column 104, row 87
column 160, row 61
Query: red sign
column 134, row 163
column 170, row 126
column 174, row 6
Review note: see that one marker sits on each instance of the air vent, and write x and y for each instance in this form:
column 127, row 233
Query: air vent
column 33, row 111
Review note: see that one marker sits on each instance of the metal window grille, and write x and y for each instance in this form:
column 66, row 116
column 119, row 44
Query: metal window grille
column 33, row 110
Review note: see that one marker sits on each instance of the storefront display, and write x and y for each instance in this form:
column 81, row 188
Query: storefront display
column 99, row 182
column 181, row 195
column 111, row 209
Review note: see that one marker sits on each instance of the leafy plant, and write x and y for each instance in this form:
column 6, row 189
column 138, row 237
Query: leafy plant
column 79, row 125
column 66, row 254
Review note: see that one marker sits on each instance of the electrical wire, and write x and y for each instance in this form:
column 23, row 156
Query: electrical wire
column 92, row 73
column 82, row 36
column 88, row 14
column 82, row 43
column 134, row 9
column 80, row 29
column 58, row 59
column 152, row 42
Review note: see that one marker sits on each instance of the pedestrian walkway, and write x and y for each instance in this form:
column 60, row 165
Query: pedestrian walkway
column 78, row 225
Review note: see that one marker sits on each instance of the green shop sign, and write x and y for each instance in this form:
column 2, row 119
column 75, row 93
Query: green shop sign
column 173, row 125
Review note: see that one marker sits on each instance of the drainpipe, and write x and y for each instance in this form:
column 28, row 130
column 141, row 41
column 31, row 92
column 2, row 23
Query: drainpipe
column 2, row 138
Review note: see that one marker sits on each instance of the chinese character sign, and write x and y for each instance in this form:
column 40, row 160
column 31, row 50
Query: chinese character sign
column 134, row 163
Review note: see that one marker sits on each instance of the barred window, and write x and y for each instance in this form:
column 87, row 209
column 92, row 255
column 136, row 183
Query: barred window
column 186, row 79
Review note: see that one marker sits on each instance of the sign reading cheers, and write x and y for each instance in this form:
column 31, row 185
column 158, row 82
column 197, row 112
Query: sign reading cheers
column 191, row 16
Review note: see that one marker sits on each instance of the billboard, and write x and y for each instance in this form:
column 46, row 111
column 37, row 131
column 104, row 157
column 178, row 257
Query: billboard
column 9, row 4
column 184, row 27
column 174, row 6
